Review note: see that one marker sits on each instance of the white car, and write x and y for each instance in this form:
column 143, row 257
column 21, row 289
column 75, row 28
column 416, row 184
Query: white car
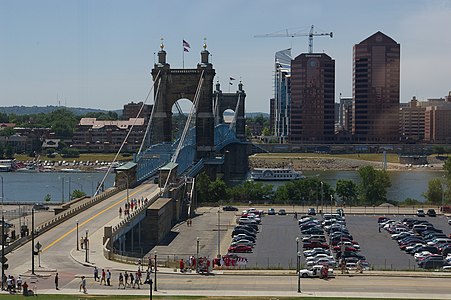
column 246, row 221
column 317, row 256
column 321, row 261
column 421, row 254
column 314, row 271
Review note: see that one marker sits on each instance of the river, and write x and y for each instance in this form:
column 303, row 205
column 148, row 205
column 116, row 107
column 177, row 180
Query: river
column 33, row 187
column 405, row 184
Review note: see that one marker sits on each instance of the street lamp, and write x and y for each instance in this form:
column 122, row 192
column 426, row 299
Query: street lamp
column 197, row 255
column 77, row 236
column 297, row 251
column 219, row 233
column 322, row 196
column 331, row 202
column 32, row 241
column 299, row 273
column 155, row 285
column 149, row 282
column 86, row 247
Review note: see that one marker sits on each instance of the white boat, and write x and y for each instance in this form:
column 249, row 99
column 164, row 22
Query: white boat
column 275, row 174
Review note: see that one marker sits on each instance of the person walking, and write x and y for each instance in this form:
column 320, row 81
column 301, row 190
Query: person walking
column 120, row 212
column 126, row 279
column 96, row 274
column 83, row 285
column 121, row 281
column 108, row 277
column 137, row 280
column 102, row 278
column 132, row 280
column 19, row 283
column 56, row 281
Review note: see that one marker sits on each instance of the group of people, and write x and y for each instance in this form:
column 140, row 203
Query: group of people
column 128, row 280
column 188, row 264
column 132, row 205
column 103, row 276
column 15, row 284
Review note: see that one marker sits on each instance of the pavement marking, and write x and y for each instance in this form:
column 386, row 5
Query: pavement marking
column 91, row 218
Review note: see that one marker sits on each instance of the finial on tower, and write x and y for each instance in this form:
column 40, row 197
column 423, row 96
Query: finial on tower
column 205, row 44
column 161, row 44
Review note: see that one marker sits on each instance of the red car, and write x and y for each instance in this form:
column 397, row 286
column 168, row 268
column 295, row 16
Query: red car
column 315, row 244
column 240, row 249
column 347, row 248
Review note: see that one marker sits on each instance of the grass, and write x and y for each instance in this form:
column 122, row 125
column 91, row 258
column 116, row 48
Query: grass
column 113, row 297
column 378, row 157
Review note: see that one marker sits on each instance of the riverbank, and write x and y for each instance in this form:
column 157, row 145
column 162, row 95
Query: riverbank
column 312, row 162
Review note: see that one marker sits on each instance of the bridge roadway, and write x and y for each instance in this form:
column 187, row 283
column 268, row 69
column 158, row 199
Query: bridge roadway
column 59, row 242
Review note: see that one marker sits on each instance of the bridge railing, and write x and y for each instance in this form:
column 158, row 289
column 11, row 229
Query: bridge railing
column 60, row 218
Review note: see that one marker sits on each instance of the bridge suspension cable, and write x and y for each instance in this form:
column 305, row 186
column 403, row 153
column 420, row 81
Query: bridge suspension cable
column 235, row 115
column 126, row 138
column 149, row 124
column 185, row 129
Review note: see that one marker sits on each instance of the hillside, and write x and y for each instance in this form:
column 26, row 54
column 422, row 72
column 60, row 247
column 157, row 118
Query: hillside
column 29, row 110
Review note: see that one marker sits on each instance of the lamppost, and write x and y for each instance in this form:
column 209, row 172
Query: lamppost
column 32, row 241
column 155, row 285
column 197, row 255
column 3, row 240
column 297, row 251
column 219, row 234
column 149, row 282
column 77, row 236
column 298, row 274
column 331, row 202
column 86, row 247
column 322, row 196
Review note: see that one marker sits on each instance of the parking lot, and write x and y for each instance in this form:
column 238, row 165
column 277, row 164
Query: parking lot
column 276, row 242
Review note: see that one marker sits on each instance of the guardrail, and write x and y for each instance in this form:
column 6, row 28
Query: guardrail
column 60, row 218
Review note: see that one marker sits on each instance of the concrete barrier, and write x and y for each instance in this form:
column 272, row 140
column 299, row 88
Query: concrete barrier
column 60, row 218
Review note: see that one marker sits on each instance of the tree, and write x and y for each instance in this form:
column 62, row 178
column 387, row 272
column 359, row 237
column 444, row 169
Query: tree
column 7, row 131
column 47, row 198
column 77, row 194
column 447, row 168
column 202, row 187
column 373, row 186
column 251, row 191
column 435, row 191
column 346, row 190
column 266, row 131
column 217, row 191
column 9, row 151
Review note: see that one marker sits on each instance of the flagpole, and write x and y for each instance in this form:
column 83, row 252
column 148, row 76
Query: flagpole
column 183, row 55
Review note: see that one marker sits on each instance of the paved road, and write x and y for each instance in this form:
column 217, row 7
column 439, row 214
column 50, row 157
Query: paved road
column 58, row 242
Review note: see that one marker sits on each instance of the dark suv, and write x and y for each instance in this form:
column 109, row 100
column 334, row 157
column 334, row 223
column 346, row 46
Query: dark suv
column 40, row 206
column 431, row 212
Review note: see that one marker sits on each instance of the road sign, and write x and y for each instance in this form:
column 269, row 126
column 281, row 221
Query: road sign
column 3, row 260
column 38, row 246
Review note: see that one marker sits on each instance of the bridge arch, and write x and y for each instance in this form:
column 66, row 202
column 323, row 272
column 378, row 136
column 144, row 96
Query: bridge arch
column 174, row 84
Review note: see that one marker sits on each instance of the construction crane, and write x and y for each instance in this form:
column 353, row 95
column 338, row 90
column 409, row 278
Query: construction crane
column 310, row 35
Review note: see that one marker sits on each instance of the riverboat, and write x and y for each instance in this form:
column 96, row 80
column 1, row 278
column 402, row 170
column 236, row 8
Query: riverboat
column 275, row 174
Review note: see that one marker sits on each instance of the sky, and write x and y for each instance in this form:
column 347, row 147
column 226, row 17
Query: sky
column 99, row 53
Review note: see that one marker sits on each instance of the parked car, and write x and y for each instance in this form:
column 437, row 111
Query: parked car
column 282, row 212
column 40, row 206
column 230, row 208
column 271, row 211
column 431, row 212
column 311, row 211
column 240, row 249
column 432, row 262
column 420, row 213
column 314, row 271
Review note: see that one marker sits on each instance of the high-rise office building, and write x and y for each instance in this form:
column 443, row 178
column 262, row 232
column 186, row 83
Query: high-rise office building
column 281, row 107
column 345, row 114
column 312, row 115
column 376, row 77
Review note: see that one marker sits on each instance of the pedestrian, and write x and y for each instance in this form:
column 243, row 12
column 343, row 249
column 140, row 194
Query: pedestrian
column 132, row 280
column 121, row 281
column 108, row 277
column 137, row 280
column 81, row 242
column 126, row 278
column 56, row 281
column 83, row 285
column 379, row 227
column 19, row 283
column 25, row 289
column 102, row 278
column 120, row 212
column 96, row 273
column 139, row 275
column 9, row 286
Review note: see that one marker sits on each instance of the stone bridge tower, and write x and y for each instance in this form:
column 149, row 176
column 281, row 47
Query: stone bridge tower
column 174, row 84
